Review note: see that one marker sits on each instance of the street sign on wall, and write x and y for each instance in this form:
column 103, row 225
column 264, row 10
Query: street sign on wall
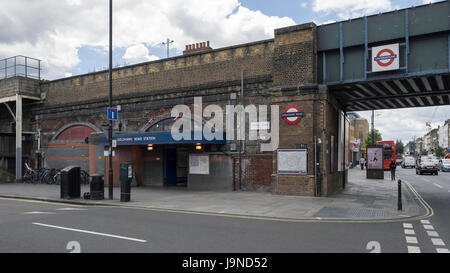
column 385, row 58
column 113, row 114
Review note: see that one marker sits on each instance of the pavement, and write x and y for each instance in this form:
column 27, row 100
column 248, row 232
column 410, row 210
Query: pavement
column 362, row 200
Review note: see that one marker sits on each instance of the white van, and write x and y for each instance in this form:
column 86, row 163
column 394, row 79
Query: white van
column 409, row 162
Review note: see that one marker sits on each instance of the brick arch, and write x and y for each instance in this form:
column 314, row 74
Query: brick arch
column 74, row 131
column 168, row 117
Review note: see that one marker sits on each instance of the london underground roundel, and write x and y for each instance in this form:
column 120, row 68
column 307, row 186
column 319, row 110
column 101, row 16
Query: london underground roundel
column 385, row 58
column 292, row 114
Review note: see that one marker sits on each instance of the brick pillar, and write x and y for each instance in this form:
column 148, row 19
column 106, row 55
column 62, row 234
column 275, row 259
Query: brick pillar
column 295, row 55
column 294, row 80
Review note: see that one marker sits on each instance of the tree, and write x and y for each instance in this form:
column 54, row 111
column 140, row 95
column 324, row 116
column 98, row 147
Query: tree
column 439, row 152
column 399, row 147
column 377, row 137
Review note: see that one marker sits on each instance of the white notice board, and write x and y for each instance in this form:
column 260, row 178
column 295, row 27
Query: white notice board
column 292, row 161
column 198, row 164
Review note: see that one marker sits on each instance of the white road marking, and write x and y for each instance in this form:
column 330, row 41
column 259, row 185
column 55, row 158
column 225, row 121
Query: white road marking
column 437, row 242
column 38, row 212
column 413, row 249
column 429, row 227
column 425, row 222
column 92, row 232
column 411, row 240
column 437, row 185
column 75, row 209
column 442, row 250
column 432, row 233
column 406, row 225
column 410, row 231
column 374, row 247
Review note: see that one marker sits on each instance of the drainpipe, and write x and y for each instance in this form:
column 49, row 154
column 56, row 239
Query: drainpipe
column 242, row 142
column 316, row 163
column 324, row 170
column 315, row 166
column 344, row 153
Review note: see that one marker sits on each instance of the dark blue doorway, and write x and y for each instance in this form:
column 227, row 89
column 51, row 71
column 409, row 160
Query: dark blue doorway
column 170, row 167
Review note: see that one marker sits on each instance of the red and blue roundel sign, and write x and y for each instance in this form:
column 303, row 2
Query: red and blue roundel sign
column 385, row 58
column 292, row 114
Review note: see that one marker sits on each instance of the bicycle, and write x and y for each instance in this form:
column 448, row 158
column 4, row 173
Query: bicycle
column 48, row 176
column 30, row 174
column 84, row 177
column 57, row 177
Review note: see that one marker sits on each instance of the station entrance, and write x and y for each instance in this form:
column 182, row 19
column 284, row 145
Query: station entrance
column 167, row 165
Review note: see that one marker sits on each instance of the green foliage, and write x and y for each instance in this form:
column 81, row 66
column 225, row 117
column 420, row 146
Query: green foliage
column 439, row 152
column 377, row 137
column 399, row 147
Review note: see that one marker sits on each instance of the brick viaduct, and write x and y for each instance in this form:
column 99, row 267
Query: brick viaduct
column 280, row 71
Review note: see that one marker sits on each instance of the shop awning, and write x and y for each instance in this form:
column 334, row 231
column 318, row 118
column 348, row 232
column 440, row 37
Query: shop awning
column 128, row 139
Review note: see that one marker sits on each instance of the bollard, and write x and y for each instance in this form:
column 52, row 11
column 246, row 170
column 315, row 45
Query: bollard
column 399, row 203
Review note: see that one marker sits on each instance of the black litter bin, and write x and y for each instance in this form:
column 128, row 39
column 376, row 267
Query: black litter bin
column 70, row 182
column 97, row 187
column 126, row 176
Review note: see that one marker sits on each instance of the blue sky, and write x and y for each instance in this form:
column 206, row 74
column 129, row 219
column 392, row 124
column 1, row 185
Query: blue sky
column 294, row 9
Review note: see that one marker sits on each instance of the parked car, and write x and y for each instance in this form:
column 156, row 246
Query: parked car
column 444, row 165
column 409, row 162
column 427, row 166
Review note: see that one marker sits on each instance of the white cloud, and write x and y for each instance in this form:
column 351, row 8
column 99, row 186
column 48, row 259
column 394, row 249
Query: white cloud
column 407, row 123
column 346, row 9
column 53, row 30
column 138, row 54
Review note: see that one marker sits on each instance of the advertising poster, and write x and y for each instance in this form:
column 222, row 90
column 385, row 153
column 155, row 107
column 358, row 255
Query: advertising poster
column 375, row 158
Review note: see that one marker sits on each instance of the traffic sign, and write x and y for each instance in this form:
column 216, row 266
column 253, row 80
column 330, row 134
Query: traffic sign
column 113, row 114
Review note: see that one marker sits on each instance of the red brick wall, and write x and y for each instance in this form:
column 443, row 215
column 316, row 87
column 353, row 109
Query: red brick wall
column 256, row 171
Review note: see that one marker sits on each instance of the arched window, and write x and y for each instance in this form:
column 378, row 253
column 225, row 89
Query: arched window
column 165, row 125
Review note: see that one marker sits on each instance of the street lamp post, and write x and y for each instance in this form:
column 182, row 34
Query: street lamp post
column 373, row 127
column 110, row 172
column 167, row 43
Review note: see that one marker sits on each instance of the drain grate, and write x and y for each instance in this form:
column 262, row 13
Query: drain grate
column 339, row 212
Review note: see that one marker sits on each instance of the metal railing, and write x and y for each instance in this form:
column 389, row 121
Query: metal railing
column 20, row 66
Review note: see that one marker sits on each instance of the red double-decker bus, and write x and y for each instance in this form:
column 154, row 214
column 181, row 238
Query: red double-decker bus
column 388, row 152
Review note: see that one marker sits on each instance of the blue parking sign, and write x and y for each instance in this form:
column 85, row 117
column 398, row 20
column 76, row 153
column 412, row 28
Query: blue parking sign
column 113, row 114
